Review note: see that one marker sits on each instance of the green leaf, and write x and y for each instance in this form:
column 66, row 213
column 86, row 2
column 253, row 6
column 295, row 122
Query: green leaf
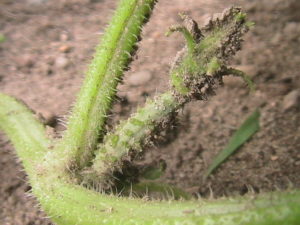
column 244, row 133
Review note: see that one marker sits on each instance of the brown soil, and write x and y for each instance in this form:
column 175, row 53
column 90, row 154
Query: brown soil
column 50, row 42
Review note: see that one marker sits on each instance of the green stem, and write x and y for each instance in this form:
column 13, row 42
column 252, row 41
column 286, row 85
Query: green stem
column 241, row 74
column 71, row 204
column 190, row 42
column 25, row 132
column 50, row 174
column 112, row 56
column 192, row 77
column 131, row 135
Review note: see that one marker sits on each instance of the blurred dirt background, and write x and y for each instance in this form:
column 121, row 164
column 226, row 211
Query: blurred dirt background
column 48, row 44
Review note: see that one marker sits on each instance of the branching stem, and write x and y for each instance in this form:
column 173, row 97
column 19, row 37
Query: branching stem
column 51, row 170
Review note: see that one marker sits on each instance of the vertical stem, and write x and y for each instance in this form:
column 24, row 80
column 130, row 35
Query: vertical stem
column 112, row 56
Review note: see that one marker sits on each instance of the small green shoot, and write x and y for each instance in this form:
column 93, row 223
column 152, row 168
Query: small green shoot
column 244, row 76
column 244, row 133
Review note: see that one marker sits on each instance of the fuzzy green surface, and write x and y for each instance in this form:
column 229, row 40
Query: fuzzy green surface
column 207, row 56
column 130, row 134
column 70, row 204
column 50, row 170
column 25, row 131
column 98, row 91
column 204, row 57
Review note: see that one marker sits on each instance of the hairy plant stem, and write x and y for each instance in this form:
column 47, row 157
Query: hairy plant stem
column 94, row 101
column 69, row 204
column 51, row 170
column 25, row 131
column 193, row 76
column 131, row 134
